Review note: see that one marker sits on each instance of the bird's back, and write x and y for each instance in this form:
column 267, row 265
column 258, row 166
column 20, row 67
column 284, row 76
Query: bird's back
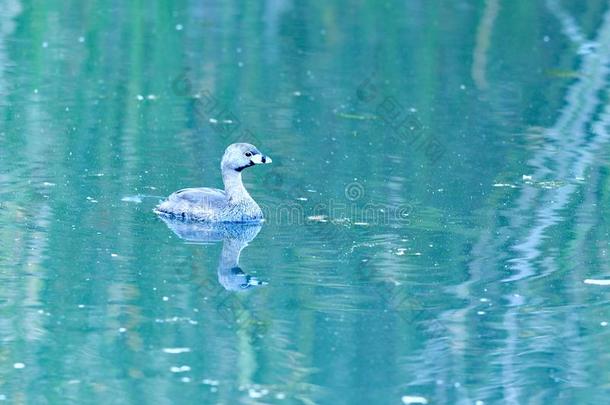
column 194, row 203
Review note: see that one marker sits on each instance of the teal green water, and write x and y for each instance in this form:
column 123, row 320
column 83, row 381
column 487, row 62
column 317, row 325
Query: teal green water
column 436, row 210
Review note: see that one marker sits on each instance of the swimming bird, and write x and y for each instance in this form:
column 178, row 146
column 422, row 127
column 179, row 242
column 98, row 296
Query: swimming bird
column 233, row 204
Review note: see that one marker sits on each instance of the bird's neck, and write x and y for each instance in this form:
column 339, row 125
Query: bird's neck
column 231, row 250
column 234, row 187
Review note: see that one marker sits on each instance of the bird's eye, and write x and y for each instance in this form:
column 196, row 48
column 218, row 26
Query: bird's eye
column 248, row 154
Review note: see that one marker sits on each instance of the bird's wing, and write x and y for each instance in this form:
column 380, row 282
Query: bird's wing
column 202, row 197
column 202, row 203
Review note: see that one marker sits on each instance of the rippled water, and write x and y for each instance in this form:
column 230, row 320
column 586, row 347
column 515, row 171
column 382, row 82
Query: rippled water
column 435, row 211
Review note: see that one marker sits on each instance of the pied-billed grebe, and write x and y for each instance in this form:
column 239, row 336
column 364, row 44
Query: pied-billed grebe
column 234, row 204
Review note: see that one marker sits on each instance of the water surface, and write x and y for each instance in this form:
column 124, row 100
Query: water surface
column 436, row 203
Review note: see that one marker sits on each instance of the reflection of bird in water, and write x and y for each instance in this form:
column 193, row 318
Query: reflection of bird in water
column 235, row 238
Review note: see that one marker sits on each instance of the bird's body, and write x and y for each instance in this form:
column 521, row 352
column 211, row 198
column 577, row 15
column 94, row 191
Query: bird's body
column 209, row 205
column 233, row 204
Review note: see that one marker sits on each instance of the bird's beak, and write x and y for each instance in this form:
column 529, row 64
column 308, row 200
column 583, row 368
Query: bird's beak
column 261, row 159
